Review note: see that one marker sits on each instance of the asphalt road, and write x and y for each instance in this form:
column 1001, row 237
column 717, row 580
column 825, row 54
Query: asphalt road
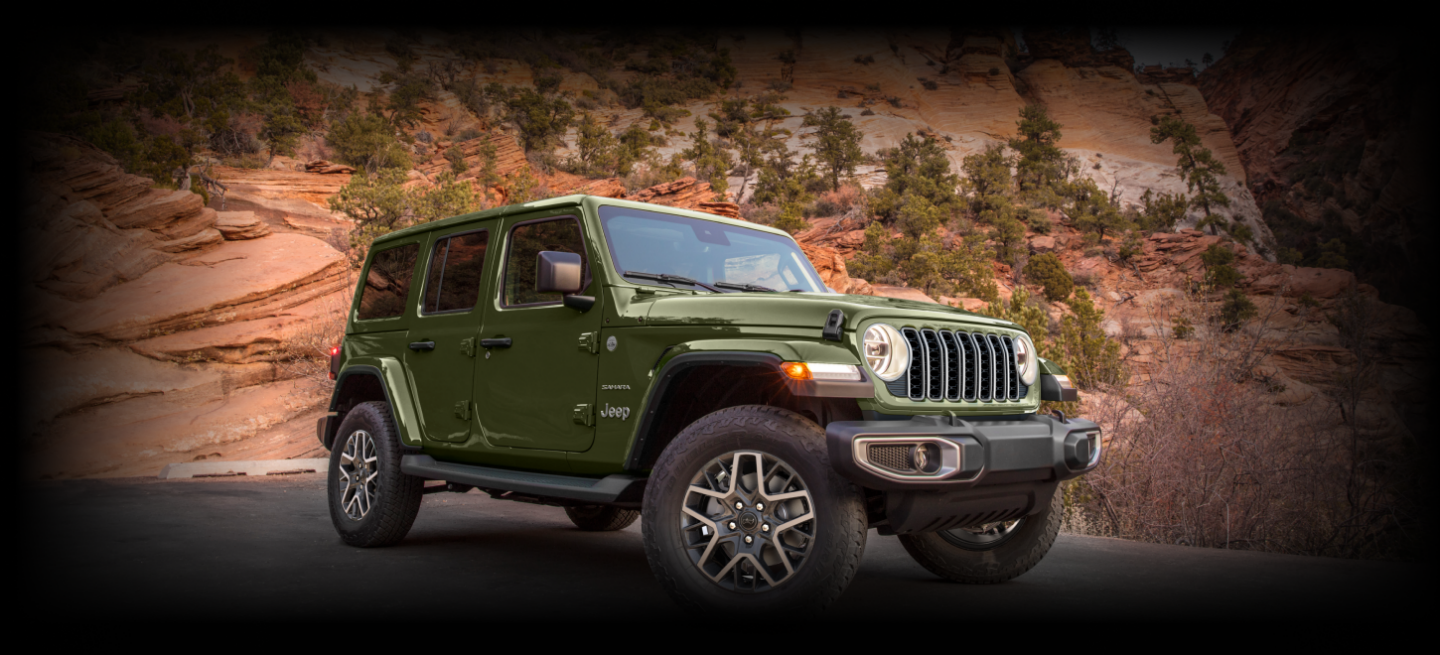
column 249, row 548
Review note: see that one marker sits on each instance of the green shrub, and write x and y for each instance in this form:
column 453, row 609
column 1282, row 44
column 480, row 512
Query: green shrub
column 791, row 219
column 456, row 157
column 1217, row 255
column 1131, row 246
column 541, row 120
column 1332, row 255
column 1038, row 220
column 1046, row 270
column 1235, row 310
column 1181, row 327
column 1161, row 211
column 367, row 141
column 1089, row 356
column 380, row 204
column 1222, row 276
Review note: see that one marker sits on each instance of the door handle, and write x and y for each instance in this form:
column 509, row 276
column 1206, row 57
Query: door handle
column 422, row 345
column 502, row 342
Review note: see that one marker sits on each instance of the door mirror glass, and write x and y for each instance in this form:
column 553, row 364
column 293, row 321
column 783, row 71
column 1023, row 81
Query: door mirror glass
column 558, row 272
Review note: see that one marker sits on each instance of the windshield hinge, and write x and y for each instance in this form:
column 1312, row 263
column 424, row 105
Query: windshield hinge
column 834, row 326
column 590, row 341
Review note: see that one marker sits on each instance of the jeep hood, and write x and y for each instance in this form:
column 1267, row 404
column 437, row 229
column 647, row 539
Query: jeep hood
column 807, row 310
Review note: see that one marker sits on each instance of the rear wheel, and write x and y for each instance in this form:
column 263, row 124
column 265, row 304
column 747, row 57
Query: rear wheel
column 743, row 513
column 372, row 503
column 601, row 518
column 990, row 553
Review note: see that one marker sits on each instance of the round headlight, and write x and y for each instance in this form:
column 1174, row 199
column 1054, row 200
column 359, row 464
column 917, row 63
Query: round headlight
column 886, row 352
column 1025, row 360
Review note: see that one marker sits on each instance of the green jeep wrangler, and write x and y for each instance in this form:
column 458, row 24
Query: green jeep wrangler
column 623, row 360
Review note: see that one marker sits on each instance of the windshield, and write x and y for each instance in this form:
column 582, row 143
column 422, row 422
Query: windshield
column 654, row 248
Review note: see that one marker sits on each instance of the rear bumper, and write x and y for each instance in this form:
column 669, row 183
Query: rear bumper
column 983, row 470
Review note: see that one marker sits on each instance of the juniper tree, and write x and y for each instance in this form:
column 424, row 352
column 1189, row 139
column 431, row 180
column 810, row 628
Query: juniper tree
column 916, row 167
column 1161, row 211
column 988, row 183
column 1198, row 166
column 597, row 148
column 711, row 161
column 1035, row 142
column 836, row 143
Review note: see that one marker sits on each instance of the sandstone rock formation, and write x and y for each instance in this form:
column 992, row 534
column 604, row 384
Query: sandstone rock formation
column 175, row 324
column 235, row 226
column 286, row 201
column 1333, row 126
column 156, row 329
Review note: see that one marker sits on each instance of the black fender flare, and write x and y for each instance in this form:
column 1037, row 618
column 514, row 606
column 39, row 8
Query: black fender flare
column 332, row 421
column 679, row 363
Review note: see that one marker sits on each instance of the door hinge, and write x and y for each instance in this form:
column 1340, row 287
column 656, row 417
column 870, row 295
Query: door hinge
column 590, row 341
column 467, row 346
column 462, row 410
column 584, row 414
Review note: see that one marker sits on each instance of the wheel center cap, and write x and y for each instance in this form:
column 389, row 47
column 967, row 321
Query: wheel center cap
column 749, row 521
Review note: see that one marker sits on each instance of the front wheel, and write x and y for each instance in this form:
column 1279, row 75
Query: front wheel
column 372, row 503
column 743, row 513
column 990, row 553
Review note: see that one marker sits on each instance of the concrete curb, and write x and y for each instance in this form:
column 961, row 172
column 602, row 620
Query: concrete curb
column 254, row 467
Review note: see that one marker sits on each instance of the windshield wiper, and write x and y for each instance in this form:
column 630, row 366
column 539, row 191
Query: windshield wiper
column 666, row 277
column 743, row 287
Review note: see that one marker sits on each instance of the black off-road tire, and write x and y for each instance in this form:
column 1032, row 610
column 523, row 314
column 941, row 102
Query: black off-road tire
column 1016, row 555
column 601, row 518
column 397, row 496
column 840, row 523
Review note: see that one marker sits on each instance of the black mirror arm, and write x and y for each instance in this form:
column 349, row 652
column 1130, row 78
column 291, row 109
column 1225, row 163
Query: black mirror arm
column 579, row 302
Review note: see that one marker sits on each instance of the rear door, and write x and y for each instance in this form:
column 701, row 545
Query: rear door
column 538, row 392
column 383, row 308
column 440, row 355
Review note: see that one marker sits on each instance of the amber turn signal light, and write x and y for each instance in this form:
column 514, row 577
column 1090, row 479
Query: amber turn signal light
column 797, row 370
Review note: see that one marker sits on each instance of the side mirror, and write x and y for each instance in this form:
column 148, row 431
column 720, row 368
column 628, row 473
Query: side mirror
column 562, row 272
column 558, row 272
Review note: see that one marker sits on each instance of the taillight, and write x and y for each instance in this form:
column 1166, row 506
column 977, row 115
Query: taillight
column 334, row 361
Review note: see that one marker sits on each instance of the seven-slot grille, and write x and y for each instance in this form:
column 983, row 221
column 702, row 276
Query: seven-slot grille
column 951, row 366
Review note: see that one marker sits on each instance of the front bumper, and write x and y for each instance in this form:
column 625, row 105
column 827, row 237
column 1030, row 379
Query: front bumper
column 981, row 470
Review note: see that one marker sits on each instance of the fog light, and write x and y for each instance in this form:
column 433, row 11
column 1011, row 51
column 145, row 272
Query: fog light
column 926, row 457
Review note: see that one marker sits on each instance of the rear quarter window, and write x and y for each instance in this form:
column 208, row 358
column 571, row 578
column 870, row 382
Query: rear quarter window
column 387, row 282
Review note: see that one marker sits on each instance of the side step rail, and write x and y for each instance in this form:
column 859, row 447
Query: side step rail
column 611, row 489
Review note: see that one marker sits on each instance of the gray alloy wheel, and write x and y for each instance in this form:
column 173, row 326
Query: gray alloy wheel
column 983, row 537
column 748, row 521
column 372, row 502
column 359, row 474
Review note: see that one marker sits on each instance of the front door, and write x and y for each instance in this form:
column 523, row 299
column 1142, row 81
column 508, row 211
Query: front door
column 442, row 343
column 538, row 392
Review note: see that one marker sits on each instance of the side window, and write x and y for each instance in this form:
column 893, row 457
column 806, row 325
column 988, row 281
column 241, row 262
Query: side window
column 387, row 284
column 527, row 240
column 456, row 264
